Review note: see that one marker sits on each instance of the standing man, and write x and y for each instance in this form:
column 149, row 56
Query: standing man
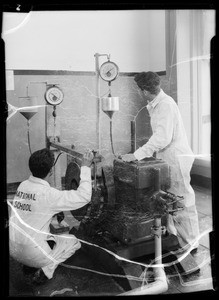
column 33, row 207
column 169, row 142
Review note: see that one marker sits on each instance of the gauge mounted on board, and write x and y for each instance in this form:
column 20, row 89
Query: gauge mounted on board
column 54, row 95
column 109, row 71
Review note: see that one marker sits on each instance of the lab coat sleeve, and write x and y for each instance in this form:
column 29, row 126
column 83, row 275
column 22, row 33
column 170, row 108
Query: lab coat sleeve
column 72, row 199
column 162, row 134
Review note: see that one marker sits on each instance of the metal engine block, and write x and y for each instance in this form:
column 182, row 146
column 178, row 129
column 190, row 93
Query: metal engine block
column 119, row 210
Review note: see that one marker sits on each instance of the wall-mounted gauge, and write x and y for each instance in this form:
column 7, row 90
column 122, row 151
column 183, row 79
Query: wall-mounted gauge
column 54, row 95
column 109, row 71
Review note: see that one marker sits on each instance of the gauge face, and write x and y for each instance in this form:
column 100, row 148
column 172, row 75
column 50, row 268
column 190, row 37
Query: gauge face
column 54, row 95
column 109, row 71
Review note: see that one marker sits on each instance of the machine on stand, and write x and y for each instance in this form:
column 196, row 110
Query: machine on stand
column 127, row 215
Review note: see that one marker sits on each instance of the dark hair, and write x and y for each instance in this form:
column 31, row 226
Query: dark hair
column 148, row 81
column 41, row 162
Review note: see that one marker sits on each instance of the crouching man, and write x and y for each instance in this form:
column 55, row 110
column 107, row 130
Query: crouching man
column 34, row 205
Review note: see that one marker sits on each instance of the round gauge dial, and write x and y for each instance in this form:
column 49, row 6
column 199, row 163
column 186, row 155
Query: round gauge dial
column 109, row 71
column 54, row 95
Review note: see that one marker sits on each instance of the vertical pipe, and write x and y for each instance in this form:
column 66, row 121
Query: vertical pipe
column 95, row 172
column 98, row 100
column 160, row 284
column 95, row 176
column 157, row 221
column 133, row 136
column 46, row 126
column 157, row 242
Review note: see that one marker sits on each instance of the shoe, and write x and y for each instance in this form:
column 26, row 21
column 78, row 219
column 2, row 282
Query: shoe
column 39, row 277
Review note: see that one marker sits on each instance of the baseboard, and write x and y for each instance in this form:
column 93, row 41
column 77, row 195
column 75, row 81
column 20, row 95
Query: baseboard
column 201, row 181
column 12, row 187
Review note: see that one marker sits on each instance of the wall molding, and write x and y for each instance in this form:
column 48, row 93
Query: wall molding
column 74, row 73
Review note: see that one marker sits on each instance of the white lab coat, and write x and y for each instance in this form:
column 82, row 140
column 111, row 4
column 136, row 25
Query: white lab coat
column 169, row 142
column 33, row 207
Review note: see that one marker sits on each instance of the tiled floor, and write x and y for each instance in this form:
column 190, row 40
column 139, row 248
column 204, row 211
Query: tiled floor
column 68, row 282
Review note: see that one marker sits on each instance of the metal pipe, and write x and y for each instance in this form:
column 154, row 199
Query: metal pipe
column 98, row 108
column 71, row 152
column 95, row 172
column 98, row 101
column 157, row 241
column 66, row 149
column 160, row 284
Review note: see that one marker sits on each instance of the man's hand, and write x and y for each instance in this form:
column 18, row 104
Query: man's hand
column 87, row 158
column 128, row 157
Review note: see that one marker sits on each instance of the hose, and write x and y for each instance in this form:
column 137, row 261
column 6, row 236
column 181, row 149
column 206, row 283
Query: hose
column 57, row 158
column 28, row 135
column 111, row 136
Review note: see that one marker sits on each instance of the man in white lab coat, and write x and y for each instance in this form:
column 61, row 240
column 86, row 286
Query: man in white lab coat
column 169, row 142
column 33, row 207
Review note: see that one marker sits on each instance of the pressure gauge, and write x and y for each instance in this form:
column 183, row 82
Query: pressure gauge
column 109, row 71
column 54, row 95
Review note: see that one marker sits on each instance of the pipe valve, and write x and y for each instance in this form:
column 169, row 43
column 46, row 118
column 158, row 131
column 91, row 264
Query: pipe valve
column 162, row 203
column 158, row 230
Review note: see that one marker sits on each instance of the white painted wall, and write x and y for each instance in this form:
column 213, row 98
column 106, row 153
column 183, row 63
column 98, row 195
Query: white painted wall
column 183, row 51
column 68, row 40
column 194, row 30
